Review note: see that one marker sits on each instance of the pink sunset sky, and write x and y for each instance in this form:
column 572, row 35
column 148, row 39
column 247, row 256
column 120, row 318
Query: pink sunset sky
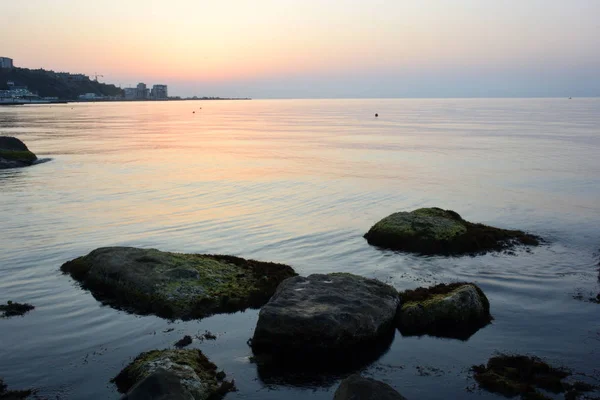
column 325, row 48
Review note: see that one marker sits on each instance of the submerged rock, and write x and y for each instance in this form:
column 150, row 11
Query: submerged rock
column 328, row 318
column 437, row 231
column 184, row 341
column 173, row 375
column 514, row 375
column 6, row 394
column 355, row 387
column 173, row 285
column 14, row 153
column 11, row 309
column 455, row 310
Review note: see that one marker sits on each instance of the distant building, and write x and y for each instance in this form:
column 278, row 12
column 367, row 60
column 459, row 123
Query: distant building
column 6, row 62
column 142, row 92
column 130, row 93
column 90, row 96
column 159, row 92
column 17, row 92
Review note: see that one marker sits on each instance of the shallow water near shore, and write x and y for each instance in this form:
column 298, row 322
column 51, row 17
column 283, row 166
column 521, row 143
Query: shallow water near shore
column 299, row 182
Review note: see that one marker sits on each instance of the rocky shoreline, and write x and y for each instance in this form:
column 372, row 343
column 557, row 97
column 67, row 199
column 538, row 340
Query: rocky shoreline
column 325, row 325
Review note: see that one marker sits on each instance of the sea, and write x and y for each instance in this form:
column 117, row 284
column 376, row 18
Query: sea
column 299, row 182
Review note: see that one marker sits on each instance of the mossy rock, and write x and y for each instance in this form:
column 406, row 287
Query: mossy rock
column 14, row 153
column 519, row 375
column 437, row 231
column 175, row 285
column 182, row 374
column 455, row 310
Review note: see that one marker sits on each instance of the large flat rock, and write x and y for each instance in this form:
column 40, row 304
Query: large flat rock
column 437, row 231
column 174, row 285
column 325, row 317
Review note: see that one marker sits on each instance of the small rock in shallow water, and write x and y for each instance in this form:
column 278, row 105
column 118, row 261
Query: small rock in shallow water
column 185, row 341
column 11, row 309
column 355, row 387
column 180, row 374
column 527, row 376
column 455, row 310
column 437, row 231
column 14, row 153
column 207, row 335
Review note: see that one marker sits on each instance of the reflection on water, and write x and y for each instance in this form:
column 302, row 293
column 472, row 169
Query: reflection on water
column 298, row 182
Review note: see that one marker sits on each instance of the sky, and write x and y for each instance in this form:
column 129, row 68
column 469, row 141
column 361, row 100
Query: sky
column 316, row 48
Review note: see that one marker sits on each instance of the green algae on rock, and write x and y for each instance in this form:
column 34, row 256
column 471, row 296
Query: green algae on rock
column 455, row 310
column 184, row 374
column 11, row 309
column 14, row 153
column 437, row 231
column 174, row 285
column 519, row 375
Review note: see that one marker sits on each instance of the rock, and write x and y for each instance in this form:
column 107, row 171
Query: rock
column 160, row 385
column 171, row 375
column 183, row 342
column 149, row 281
column 455, row 310
column 325, row 317
column 437, row 231
column 355, row 387
column 14, row 153
column 6, row 394
column 11, row 309
column 514, row 375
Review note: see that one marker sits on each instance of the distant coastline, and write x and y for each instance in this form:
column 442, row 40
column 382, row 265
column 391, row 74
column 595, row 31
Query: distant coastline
column 21, row 86
column 22, row 102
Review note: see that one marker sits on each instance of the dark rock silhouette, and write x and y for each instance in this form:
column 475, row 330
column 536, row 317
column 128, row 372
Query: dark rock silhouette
column 355, row 387
column 323, row 324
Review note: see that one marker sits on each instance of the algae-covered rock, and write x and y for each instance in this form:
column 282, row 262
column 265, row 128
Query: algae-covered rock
column 326, row 317
column 456, row 310
column 355, row 387
column 518, row 375
column 14, row 153
column 11, row 309
column 174, row 285
column 6, row 394
column 437, row 231
column 172, row 374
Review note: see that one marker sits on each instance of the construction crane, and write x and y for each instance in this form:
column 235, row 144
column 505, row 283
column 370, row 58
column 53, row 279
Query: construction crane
column 96, row 75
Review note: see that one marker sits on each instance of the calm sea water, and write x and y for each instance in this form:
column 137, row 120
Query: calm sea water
column 299, row 182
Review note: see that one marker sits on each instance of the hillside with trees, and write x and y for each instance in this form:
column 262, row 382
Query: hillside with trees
column 65, row 86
